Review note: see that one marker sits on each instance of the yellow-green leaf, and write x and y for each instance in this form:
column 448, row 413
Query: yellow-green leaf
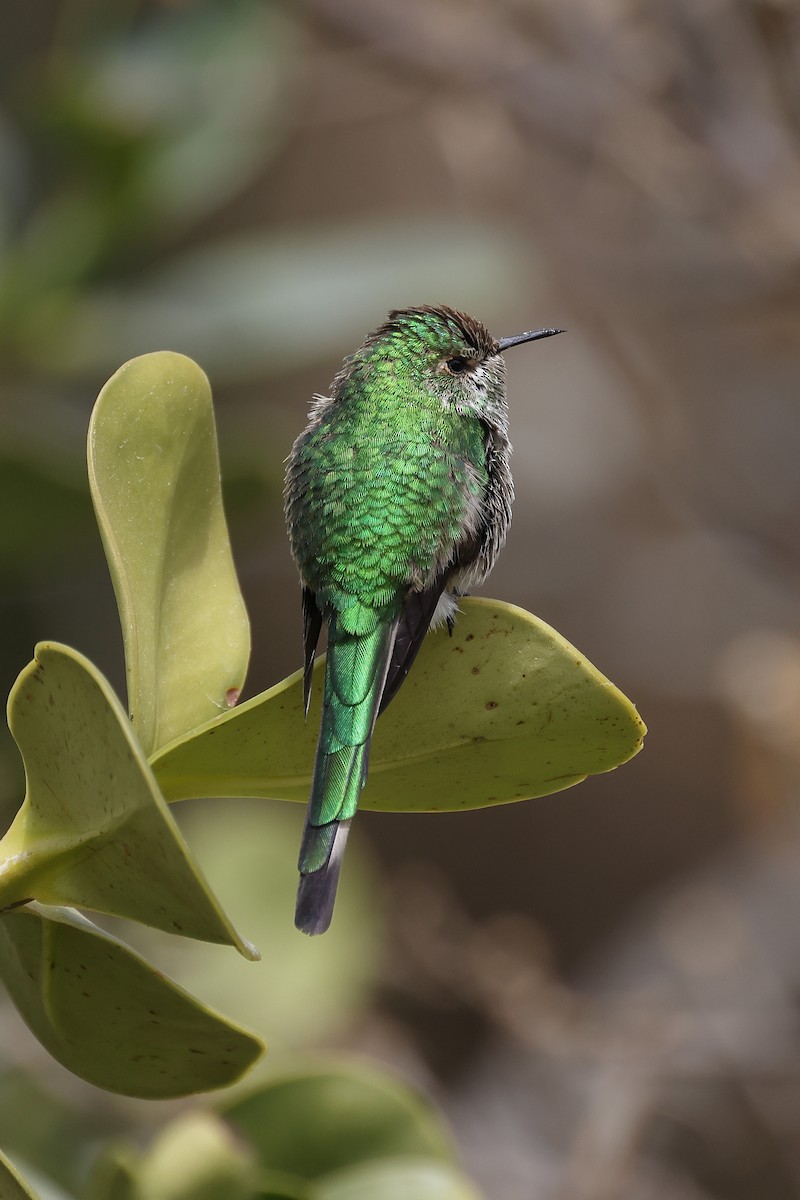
column 197, row 1157
column 397, row 1180
column 108, row 1016
column 12, row 1185
column 504, row 710
column 113, row 1174
column 94, row 831
column 154, row 477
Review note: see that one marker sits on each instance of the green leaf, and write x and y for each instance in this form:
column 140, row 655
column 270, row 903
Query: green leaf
column 424, row 1180
column 94, row 830
column 197, row 1158
column 12, row 1185
column 275, row 1186
column 313, row 1122
column 46, row 1135
column 504, row 710
column 154, row 477
column 108, row 1016
column 113, row 1175
column 249, row 854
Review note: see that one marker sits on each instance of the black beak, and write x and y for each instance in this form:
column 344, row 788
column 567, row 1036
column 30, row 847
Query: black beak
column 505, row 343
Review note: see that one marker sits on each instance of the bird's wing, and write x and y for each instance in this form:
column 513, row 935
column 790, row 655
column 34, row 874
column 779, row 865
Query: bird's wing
column 415, row 619
column 418, row 611
column 312, row 625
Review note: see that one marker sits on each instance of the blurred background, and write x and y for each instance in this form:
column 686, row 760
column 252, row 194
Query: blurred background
column 600, row 988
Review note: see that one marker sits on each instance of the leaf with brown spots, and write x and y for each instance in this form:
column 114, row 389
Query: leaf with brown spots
column 111, row 1018
column 504, row 710
column 94, row 831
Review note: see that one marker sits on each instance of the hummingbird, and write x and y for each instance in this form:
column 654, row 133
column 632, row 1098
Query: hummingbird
column 398, row 499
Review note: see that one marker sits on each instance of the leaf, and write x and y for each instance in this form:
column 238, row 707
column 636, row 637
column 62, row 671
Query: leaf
column 397, row 1181
column 249, row 854
column 276, row 1186
column 12, row 1185
column 94, row 830
column 313, row 1122
column 504, row 710
column 45, row 1137
column 111, row 1018
column 154, row 477
column 197, row 1158
column 113, row 1174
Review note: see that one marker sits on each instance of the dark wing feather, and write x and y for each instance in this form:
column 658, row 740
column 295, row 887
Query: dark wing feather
column 312, row 625
column 414, row 621
column 418, row 613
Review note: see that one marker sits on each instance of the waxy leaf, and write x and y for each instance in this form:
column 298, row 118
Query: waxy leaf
column 390, row 1180
column 276, row 1186
column 197, row 1157
column 154, row 477
column 348, row 1114
column 113, row 1175
column 249, row 855
column 12, row 1185
column 108, row 1016
column 94, row 831
column 504, row 710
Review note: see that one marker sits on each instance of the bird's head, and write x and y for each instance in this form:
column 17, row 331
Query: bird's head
column 441, row 353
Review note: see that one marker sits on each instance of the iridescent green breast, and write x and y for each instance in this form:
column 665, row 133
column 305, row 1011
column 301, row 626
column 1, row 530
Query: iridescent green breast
column 377, row 498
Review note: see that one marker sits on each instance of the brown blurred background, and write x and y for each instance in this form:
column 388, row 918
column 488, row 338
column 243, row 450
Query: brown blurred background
column 601, row 987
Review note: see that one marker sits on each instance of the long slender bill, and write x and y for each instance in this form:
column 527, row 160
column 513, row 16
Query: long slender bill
column 533, row 336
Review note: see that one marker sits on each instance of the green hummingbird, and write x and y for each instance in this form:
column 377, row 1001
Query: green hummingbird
column 398, row 499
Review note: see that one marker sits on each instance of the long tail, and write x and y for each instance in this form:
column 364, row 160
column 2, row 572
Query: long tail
column 355, row 674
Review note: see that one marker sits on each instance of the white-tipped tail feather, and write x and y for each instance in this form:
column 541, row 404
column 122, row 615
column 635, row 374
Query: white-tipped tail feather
column 316, row 892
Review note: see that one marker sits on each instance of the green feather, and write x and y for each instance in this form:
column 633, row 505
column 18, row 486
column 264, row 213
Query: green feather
column 354, row 676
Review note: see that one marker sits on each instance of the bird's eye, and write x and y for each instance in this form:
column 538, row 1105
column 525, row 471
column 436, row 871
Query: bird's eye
column 457, row 365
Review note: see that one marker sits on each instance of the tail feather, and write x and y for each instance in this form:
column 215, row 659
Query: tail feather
column 338, row 778
column 316, row 891
column 354, row 679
